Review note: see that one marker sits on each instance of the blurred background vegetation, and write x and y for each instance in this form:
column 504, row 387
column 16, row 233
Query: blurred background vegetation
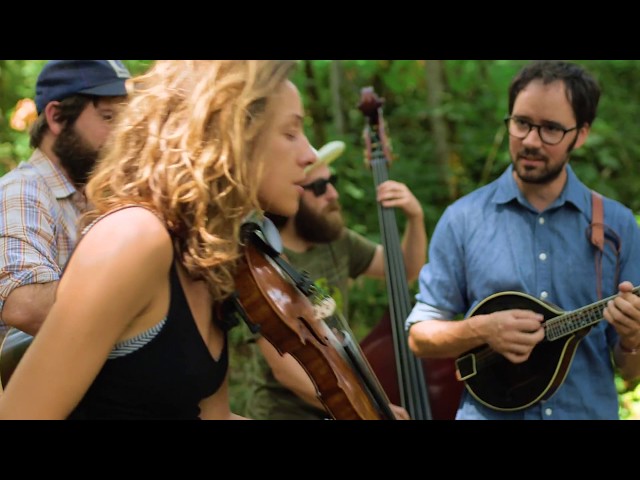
column 444, row 119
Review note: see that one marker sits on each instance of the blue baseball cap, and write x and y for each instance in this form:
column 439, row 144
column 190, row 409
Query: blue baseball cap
column 60, row 79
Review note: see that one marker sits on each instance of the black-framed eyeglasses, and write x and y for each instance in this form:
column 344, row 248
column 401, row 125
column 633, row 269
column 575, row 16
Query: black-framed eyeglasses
column 319, row 186
column 551, row 133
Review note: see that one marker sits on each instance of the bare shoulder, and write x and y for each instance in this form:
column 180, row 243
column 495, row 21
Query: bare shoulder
column 119, row 269
column 132, row 220
column 134, row 236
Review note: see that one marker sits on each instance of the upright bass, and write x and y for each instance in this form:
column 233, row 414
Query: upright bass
column 427, row 389
column 290, row 312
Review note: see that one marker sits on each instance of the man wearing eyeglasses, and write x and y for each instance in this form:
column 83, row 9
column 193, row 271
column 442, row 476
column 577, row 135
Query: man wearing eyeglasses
column 527, row 232
column 317, row 241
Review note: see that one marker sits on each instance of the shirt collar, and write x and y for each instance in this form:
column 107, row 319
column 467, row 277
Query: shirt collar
column 574, row 191
column 53, row 176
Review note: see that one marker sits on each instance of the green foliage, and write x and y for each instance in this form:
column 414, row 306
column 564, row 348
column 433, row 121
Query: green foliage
column 17, row 81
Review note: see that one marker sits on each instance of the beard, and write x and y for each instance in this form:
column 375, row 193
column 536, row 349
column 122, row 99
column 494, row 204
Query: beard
column 534, row 175
column 323, row 227
column 76, row 156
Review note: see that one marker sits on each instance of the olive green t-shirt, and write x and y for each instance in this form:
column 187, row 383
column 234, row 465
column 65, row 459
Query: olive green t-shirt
column 330, row 266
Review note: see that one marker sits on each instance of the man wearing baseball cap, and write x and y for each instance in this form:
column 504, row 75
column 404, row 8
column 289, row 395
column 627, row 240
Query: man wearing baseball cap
column 317, row 241
column 42, row 199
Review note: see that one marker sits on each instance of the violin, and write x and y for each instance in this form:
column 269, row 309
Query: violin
column 291, row 312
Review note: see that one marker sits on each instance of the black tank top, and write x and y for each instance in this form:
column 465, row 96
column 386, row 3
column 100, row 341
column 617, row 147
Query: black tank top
column 166, row 378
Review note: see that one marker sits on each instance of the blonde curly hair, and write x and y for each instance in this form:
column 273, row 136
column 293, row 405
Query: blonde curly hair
column 184, row 147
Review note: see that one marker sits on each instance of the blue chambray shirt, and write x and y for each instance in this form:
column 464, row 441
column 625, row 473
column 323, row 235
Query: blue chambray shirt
column 493, row 240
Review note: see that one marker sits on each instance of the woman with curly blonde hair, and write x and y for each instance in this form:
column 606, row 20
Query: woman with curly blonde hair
column 133, row 332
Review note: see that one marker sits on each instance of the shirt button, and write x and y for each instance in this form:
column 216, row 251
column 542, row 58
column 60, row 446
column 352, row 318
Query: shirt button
column 541, row 220
column 542, row 256
column 543, row 295
column 548, row 412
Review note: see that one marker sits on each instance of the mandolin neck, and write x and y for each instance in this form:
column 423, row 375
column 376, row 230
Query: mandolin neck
column 571, row 322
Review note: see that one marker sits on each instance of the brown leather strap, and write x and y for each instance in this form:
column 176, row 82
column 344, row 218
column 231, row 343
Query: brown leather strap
column 597, row 221
column 597, row 236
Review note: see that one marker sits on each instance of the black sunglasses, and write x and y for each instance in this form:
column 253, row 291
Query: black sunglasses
column 319, row 186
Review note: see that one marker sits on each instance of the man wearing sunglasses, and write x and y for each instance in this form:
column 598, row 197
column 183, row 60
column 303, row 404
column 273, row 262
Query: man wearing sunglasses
column 316, row 240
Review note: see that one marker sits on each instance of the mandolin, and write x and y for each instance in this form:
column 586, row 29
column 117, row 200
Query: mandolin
column 499, row 384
